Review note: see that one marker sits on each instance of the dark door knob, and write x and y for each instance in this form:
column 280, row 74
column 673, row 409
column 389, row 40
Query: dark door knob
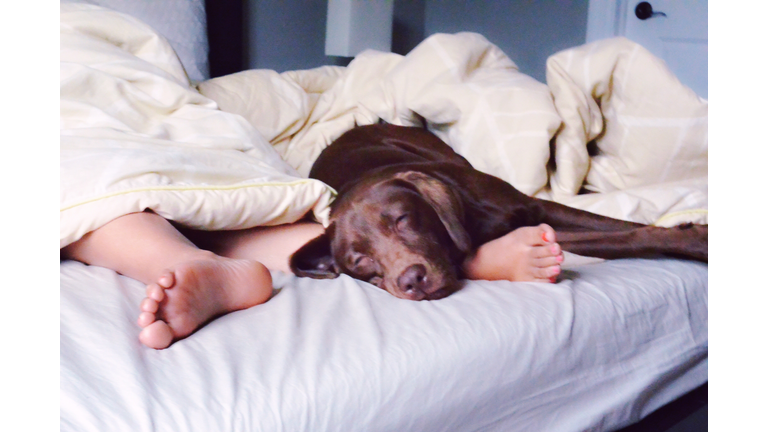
column 644, row 10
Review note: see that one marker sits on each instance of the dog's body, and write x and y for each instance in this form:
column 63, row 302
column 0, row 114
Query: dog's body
column 409, row 211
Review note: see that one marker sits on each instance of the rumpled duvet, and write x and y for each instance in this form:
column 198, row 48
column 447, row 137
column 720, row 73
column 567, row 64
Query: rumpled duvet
column 612, row 131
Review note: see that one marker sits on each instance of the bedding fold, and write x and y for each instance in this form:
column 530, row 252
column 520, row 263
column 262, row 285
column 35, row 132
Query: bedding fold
column 646, row 126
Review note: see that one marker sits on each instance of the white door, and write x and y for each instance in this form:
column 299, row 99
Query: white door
column 674, row 30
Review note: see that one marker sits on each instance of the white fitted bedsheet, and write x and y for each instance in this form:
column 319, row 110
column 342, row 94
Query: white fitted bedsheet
column 606, row 345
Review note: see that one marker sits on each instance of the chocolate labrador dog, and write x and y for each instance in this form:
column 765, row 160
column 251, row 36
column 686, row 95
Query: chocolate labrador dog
column 409, row 210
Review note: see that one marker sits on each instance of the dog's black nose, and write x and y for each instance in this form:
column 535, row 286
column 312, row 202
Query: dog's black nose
column 413, row 280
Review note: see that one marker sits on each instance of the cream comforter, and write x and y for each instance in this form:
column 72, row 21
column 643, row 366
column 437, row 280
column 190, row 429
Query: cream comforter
column 234, row 152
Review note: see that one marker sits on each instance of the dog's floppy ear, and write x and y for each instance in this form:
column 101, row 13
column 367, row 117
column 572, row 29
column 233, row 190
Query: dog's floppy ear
column 445, row 202
column 314, row 259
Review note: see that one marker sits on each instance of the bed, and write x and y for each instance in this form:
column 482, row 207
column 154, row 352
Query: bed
column 605, row 346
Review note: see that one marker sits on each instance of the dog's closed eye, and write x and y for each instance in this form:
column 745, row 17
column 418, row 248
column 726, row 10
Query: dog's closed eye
column 402, row 221
column 365, row 267
column 362, row 262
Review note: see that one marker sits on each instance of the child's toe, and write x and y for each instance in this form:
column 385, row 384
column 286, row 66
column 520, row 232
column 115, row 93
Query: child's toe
column 145, row 319
column 156, row 335
column 155, row 292
column 148, row 305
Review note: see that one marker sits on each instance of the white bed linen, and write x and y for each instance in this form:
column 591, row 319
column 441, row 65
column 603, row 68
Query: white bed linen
column 606, row 345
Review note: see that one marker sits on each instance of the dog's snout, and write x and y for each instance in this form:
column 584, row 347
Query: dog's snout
column 413, row 279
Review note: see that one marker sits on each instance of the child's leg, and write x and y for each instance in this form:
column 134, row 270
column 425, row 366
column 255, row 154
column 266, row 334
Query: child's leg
column 271, row 246
column 186, row 286
column 528, row 254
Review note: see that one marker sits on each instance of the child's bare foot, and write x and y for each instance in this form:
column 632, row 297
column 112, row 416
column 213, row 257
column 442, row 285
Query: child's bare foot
column 189, row 295
column 527, row 254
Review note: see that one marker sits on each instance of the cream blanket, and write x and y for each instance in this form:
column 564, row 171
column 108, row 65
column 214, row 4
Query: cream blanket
column 136, row 136
column 612, row 118
column 233, row 153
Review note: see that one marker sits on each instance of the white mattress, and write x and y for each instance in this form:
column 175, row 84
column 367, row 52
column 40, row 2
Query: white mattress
column 606, row 345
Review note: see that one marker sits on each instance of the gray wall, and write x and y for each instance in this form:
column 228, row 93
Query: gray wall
column 528, row 31
column 290, row 34
column 285, row 34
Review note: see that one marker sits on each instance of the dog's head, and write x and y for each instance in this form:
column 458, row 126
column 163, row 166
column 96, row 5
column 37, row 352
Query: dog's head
column 402, row 232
